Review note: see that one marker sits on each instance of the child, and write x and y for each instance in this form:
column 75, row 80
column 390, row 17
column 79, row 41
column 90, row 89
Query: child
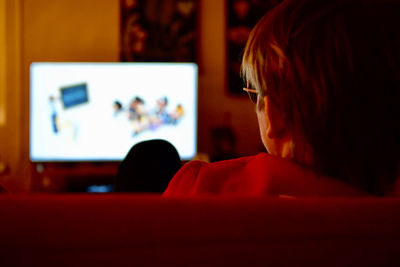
column 325, row 77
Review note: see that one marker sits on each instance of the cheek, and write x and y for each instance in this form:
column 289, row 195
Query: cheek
column 268, row 142
column 263, row 127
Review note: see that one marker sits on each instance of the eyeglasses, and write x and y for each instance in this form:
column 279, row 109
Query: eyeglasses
column 253, row 94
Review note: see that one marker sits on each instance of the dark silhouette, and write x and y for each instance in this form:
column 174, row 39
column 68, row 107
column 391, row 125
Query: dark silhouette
column 148, row 167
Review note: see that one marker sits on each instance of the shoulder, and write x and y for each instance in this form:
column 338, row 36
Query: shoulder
column 218, row 177
column 258, row 175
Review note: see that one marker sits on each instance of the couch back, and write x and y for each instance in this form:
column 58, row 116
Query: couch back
column 147, row 230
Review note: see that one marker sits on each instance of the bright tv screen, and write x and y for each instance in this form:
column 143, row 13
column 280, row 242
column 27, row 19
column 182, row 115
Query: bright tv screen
column 98, row 111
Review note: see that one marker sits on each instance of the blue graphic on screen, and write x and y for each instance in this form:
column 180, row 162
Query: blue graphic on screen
column 74, row 95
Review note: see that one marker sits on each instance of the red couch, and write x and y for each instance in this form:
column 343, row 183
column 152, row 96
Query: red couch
column 145, row 230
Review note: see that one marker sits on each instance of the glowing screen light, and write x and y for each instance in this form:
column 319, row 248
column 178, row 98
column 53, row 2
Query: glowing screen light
column 97, row 111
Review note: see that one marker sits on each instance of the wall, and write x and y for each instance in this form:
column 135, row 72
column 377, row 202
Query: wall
column 214, row 102
column 88, row 30
column 11, row 151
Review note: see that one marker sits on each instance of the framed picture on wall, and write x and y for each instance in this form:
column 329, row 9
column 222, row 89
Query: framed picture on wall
column 242, row 16
column 158, row 30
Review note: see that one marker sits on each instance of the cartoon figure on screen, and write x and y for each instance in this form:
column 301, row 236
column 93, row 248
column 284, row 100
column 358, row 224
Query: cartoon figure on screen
column 53, row 114
column 118, row 108
column 160, row 115
column 177, row 114
column 136, row 108
column 60, row 125
column 138, row 115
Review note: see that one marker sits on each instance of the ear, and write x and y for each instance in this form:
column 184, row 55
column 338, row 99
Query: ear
column 274, row 120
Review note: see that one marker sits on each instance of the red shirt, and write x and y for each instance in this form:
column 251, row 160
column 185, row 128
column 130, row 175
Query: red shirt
column 258, row 175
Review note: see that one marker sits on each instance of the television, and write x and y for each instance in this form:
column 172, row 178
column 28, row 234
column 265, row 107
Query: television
column 98, row 111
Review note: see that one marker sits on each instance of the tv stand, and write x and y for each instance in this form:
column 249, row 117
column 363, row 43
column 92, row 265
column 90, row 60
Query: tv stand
column 71, row 176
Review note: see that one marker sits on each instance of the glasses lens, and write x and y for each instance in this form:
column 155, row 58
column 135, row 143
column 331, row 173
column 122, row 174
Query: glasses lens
column 253, row 97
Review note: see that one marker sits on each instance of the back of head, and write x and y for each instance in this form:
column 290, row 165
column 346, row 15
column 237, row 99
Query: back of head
column 333, row 69
column 148, row 167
